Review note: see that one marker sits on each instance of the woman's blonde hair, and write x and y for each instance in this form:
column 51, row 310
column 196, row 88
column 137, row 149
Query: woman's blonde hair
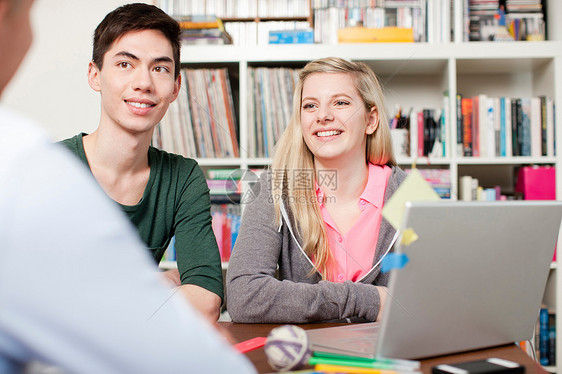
column 292, row 157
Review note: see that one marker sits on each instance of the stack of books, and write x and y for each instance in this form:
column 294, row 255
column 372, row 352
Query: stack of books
column 525, row 19
column 203, row 29
column 438, row 179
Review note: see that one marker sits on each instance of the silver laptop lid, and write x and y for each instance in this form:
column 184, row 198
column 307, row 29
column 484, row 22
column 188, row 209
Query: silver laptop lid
column 475, row 277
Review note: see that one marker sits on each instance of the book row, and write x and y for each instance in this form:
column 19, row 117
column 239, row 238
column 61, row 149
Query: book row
column 430, row 20
column 270, row 99
column 202, row 120
column 505, row 127
column 259, row 33
column 327, row 21
column 238, row 8
column 230, row 181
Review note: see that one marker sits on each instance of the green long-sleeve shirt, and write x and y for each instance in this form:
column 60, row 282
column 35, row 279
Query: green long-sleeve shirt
column 175, row 202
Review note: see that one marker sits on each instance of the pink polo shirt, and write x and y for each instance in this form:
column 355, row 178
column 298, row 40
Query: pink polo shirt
column 354, row 252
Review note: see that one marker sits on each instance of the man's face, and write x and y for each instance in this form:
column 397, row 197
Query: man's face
column 137, row 81
column 15, row 37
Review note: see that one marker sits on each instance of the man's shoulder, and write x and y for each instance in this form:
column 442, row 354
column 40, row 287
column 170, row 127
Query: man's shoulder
column 172, row 159
column 73, row 143
column 70, row 141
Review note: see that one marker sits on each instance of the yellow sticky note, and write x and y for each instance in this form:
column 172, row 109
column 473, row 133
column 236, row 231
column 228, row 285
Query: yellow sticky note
column 414, row 188
column 408, row 237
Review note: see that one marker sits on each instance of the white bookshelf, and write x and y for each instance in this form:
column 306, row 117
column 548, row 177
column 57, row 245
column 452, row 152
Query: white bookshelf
column 408, row 70
column 416, row 75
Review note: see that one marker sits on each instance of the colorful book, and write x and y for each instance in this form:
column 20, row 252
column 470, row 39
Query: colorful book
column 199, row 21
column 466, row 106
column 291, row 37
column 543, row 337
column 389, row 34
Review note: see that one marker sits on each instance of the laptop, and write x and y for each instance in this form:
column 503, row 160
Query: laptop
column 475, row 278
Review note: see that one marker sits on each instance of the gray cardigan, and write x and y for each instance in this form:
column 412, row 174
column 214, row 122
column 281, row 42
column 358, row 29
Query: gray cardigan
column 268, row 277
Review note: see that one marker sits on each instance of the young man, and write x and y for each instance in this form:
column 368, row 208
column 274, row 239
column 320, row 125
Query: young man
column 135, row 67
column 76, row 288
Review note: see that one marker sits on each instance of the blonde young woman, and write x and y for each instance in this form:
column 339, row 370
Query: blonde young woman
column 310, row 244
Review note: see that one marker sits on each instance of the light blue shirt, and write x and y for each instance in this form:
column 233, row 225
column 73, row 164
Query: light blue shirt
column 77, row 289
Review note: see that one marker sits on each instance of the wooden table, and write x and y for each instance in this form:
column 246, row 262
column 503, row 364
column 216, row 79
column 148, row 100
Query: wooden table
column 241, row 332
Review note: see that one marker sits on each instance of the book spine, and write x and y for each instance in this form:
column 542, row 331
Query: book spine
column 525, row 138
column 475, row 126
column 508, row 128
column 502, row 128
column 445, row 123
column 467, row 126
column 482, row 126
column 413, row 126
column 550, row 127
column 543, row 117
column 490, row 128
column 552, row 339
column 535, row 127
column 516, row 126
column 459, row 144
column 429, row 131
column 421, row 134
column 497, row 125
column 543, row 336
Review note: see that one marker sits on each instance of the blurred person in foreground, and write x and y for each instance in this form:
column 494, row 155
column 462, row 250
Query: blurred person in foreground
column 77, row 290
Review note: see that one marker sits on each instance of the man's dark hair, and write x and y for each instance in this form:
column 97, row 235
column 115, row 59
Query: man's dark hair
column 135, row 17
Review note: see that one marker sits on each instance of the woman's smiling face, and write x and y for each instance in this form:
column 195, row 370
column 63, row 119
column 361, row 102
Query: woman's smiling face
column 334, row 120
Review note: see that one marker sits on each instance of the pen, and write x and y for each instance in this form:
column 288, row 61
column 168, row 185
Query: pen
column 359, row 363
column 400, row 362
column 353, row 370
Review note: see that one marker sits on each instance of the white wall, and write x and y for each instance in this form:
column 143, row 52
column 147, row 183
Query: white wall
column 51, row 86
